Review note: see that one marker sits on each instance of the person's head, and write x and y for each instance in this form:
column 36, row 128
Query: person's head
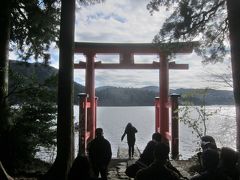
column 228, row 157
column 161, row 152
column 157, row 137
column 80, row 168
column 208, row 142
column 210, row 158
column 129, row 125
column 99, row 132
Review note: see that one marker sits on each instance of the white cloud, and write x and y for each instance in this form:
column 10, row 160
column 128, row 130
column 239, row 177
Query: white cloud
column 117, row 21
column 129, row 21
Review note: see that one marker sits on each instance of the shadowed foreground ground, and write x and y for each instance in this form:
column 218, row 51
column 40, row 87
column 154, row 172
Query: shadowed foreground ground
column 118, row 166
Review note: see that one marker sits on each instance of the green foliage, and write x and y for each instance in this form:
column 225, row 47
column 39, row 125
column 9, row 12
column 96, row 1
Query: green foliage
column 196, row 122
column 35, row 25
column 203, row 20
column 33, row 122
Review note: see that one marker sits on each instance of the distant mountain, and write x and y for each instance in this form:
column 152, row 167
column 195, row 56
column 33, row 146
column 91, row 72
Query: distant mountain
column 118, row 96
column 151, row 88
column 102, row 88
column 40, row 71
column 213, row 97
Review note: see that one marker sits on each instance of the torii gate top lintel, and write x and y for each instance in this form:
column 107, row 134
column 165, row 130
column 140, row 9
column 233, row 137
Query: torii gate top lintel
column 127, row 51
column 134, row 48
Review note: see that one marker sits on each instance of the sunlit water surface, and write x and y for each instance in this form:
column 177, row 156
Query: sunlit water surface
column 113, row 120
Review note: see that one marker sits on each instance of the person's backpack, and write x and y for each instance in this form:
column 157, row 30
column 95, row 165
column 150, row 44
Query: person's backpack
column 132, row 170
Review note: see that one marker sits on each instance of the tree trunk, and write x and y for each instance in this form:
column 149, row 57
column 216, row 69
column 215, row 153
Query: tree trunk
column 233, row 7
column 4, row 51
column 4, row 48
column 65, row 153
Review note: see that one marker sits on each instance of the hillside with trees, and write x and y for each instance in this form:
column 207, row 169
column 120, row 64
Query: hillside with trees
column 118, row 96
column 38, row 71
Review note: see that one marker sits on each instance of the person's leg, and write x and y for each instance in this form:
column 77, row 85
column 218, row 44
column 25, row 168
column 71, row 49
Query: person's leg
column 96, row 171
column 132, row 150
column 129, row 151
column 103, row 172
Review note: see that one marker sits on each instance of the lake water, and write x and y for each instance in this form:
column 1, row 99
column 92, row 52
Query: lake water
column 113, row 120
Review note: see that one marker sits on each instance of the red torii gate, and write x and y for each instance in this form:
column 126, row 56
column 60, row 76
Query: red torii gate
column 126, row 52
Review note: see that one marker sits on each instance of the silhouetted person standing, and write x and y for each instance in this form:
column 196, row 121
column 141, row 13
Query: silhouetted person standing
column 100, row 153
column 130, row 131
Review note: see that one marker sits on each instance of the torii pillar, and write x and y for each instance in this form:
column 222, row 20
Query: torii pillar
column 90, row 90
column 163, row 94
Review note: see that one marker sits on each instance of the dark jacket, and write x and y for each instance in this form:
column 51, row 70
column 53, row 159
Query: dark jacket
column 130, row 131
column 147, row 156
column 99, row 151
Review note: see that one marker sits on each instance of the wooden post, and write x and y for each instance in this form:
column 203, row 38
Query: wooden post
column 164, row 88
column 175, row 126
column 95, row 118
column 234, row 28
column 157, row 114
column 82, row 143
column 90, row 89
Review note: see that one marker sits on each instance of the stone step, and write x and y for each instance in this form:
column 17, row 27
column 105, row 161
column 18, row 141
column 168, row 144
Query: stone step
column 118, row 166
column 123, row 153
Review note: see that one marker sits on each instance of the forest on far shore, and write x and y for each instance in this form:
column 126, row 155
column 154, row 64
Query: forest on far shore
column 119, row 96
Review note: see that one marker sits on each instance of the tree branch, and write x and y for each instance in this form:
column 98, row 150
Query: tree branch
column 22, row 14
column 206, row 16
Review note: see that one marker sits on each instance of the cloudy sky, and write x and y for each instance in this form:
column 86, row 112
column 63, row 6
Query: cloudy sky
column 129, row 21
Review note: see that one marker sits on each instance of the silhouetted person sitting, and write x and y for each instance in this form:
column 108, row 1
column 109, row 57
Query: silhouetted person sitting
column 147, row 157
column 80, row 169
column 228, row 163
column 130, row 131
column 158, row 169
column 100, row 153
column 210, row 159
column 208, row 142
